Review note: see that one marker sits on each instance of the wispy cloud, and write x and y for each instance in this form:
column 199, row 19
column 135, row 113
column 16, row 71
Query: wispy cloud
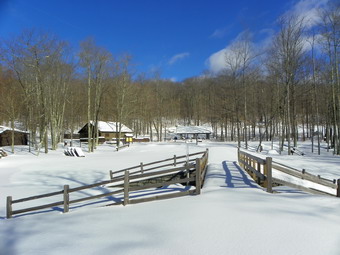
column 178, row 57
column 221, row 32
column 308, row 10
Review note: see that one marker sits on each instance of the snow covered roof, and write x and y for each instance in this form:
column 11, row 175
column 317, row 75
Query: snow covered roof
column 193, row 130
column 4, row 128
column 104, row 126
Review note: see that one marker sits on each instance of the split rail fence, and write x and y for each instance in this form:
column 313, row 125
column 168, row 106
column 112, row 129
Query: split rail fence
column 185, row 170
column 261, row 170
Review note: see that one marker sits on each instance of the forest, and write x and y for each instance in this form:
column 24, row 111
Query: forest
column 287, row 91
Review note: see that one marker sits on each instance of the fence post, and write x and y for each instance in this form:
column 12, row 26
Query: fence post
column 111, row 175
column 238, row 155
column 198, row 176
column 258, row 168
column 141, row 167
column 66, row 198
column 126, row 188
column 175, row 159
column 269, row 175
column 9, row 207
column 338, row 189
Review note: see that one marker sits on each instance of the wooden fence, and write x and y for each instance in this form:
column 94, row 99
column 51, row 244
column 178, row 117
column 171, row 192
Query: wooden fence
column 261, row 171
column 188, row 172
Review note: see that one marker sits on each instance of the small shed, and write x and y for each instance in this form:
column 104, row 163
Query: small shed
column 193, row 132
column 20, row 137
column 106, row 130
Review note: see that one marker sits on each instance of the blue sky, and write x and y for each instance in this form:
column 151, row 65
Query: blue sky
column 176, row 38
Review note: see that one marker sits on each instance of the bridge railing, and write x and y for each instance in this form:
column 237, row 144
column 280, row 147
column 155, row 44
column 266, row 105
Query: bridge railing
column 261, row 171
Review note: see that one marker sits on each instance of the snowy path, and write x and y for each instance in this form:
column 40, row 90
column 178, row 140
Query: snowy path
column 224, row 172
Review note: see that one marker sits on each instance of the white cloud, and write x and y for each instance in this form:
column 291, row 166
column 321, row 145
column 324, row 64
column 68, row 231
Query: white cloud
column 216, row 62
column 178, row 57
column 308, row 10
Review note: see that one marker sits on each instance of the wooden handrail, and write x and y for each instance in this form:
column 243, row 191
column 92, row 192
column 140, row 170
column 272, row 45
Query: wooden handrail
column 247, row 160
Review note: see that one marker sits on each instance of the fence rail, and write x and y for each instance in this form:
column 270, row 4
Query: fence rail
column 191, row 173
column 261, row 171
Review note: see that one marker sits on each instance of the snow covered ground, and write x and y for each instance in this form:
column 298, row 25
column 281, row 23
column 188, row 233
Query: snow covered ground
column 233, row 215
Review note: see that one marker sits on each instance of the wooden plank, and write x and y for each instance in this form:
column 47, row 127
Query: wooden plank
column 198, row 176
column 66, row 198
column 203, row 174
column 161, row 197
column 299, row 187
column 9, row 208
column 161, row 166
column 156, row 167
column 36, row 208
column 159, row 161
column 135, row 176
column 37, row 197
column 126, row 188
column 287, row 170
column 159, row 173
column 260, row 160
column 160, row 184
column 305, row 176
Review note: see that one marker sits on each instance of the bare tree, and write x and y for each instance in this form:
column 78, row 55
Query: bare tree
column 287, row 56
column 95, row 61
column 330, row 31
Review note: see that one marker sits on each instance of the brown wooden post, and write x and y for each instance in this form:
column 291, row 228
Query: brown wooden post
column 238, row 155
column 258, row 168
column 198, row 176
column 126, row 188
column 175, row 159
column 111, row 175
column 66, row 198
column 338, row 189
column 9, row 207
column 269, row 175
column 141, row 167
